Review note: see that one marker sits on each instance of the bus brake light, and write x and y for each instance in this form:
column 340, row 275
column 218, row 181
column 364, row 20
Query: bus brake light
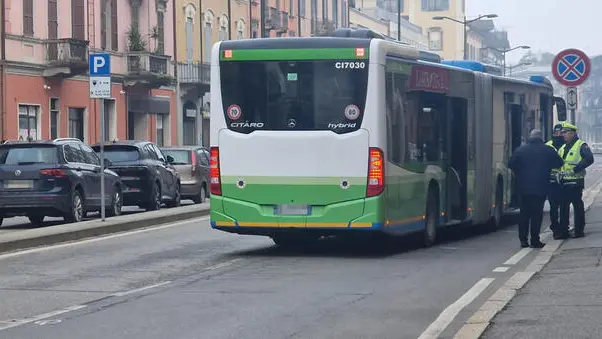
column 376, row 172
column 215, row 181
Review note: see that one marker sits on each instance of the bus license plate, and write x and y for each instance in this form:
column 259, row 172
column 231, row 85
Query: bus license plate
column 292, row 209
column 18, row 184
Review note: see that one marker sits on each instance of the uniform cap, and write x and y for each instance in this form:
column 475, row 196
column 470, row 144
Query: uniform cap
column 569, row 127
column 557, row 127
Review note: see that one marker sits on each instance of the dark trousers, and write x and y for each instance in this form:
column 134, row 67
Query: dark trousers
column 555, row 200
column 531, row 215
column 572, row 194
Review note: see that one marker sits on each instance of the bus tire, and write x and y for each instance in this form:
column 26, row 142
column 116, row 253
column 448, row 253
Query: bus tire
column 431, row 218
column 498, row 212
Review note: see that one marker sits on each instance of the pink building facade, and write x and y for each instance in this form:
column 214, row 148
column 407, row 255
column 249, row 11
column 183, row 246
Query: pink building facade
column 45, row 82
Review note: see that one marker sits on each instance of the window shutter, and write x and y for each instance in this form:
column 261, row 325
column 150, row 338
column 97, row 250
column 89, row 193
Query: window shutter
column 78, row 13
column 28, row 17
column 114, row 26
column 103, row 24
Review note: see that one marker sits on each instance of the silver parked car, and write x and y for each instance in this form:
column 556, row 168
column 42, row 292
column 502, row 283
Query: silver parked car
column 192, row 163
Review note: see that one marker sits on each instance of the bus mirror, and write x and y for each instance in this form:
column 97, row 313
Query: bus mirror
column 560, row 108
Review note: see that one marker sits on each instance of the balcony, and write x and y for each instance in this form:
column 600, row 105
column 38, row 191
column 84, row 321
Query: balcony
column 66, row 58
column 322, row 27
column 276, row 21
column 194, row 73
column 148, row 70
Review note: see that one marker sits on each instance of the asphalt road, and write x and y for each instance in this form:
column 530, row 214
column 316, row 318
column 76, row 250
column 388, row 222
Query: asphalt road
column 188, row 281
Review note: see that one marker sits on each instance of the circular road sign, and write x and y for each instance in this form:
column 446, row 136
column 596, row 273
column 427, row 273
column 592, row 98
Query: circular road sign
column 571, row 67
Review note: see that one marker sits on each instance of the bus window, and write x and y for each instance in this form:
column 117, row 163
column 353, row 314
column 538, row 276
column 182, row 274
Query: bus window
column 294, row 95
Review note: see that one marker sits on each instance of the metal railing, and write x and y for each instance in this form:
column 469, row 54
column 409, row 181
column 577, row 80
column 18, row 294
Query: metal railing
column 145, row 62
column 194, row 73
column 66, row 51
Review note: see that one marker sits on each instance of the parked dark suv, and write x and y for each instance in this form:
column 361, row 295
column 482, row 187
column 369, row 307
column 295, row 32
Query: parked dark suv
column 148, row 177
column 57, row 178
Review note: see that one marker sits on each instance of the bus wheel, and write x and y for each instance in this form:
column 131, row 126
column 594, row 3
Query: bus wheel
column 432, row 221
column 287, row 240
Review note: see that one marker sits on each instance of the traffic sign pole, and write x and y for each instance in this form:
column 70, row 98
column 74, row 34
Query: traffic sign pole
column 100, row 88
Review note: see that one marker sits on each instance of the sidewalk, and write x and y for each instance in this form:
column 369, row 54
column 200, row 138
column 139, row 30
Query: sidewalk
column 564, row 300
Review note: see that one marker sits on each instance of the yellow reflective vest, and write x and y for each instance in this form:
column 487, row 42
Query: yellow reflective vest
column 573, row 158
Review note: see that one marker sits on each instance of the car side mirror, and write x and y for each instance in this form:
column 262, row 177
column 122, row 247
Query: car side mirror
column 560, row 108
column 170, row 159
column 107, row 163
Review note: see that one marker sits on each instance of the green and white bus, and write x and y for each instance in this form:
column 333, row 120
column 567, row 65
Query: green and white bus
column 356, row 133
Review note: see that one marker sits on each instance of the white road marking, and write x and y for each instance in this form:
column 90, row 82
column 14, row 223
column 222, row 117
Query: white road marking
column 43, row 316
column 518, row 256
column 100, row 238
column 501, row 269
column 222, row 265
column 449, row 314
column 141, row 289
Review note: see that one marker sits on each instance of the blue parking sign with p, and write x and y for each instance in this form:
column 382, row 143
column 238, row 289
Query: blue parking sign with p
column 100, row 64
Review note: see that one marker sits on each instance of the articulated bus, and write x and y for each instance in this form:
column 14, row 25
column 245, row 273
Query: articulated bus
column 324, row 136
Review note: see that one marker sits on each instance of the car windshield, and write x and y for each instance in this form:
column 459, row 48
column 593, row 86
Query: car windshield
column 119, row 153
column 181, row 157
column 26, row 155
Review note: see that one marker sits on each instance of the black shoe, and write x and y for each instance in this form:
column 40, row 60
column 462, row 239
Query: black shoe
column 524, row 244
column 561, row 236
column 578, row 235
column 537, row 244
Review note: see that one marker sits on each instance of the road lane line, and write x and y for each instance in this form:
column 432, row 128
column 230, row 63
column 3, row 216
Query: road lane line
column 222, row 265
column 518, row 256
column 141, row 289
column 449, row 314
column 100, row 238
column 501, row 269
column 20, row 322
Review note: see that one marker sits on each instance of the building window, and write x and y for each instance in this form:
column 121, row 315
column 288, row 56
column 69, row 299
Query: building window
column 78, row 15
column 28, row 17
column 189, row 44
column 223, row 28
column 161, row 32
column 292, row 34
column 302, row 5
column 435, row 5
column 160, row 130
column 254, row 29
column 76, row 123
column 108, row 25
column 335, row 12
column 28, row 122
column 291, row 7
column 325, row 10
column 240, row 29
column 435, row 36
column 208, row 38
column 54, row 118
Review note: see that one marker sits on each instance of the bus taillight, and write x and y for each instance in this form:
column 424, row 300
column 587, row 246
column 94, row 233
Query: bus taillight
column 376, row 172
column 215, row 181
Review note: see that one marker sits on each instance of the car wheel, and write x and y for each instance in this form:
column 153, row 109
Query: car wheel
column 177, row 201
column 36, row 220
column 77, row 208
column 155, row 203
column 201, row 197
column 116, row 203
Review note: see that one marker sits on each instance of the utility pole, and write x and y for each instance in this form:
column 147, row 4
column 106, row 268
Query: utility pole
column 398, row 20
column 262, row 9
column 230, row 19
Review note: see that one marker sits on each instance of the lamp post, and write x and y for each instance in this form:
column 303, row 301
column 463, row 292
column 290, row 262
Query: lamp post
column 510, row 68
column 465, row 24
column 504, row 51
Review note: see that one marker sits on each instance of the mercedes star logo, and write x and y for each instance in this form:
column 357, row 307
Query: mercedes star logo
column 17, row 173
column 291, row 123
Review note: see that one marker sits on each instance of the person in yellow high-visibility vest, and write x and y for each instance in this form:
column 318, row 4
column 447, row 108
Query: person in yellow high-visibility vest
column 577, row 157
column 555, row 190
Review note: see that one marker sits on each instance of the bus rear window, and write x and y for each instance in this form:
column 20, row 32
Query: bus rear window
column 294, row 95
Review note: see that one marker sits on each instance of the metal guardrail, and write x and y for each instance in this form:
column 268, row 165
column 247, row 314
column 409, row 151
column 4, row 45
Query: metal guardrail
column 145, row 62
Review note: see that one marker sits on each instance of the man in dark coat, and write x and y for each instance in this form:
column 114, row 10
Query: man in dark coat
column 532, row 164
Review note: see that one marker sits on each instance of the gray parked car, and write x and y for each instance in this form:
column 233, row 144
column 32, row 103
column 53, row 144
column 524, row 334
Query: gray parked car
column 192, row 163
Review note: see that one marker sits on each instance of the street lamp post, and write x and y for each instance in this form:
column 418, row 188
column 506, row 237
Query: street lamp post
column 465, row 24
column 504, row 51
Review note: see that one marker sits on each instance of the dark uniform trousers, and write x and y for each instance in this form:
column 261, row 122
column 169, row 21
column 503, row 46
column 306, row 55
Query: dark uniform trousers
column 530, row 217
column 572, row 194
column 555, row 200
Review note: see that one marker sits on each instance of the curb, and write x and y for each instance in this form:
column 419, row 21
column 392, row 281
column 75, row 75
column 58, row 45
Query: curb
column 478, row 323
column 94, row 228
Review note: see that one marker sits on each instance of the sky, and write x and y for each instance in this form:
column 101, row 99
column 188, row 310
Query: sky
column 545, row 25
